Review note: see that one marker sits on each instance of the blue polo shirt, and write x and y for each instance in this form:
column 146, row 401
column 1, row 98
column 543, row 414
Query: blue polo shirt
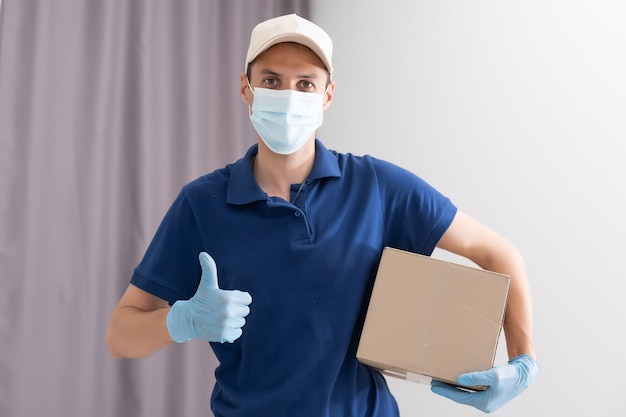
column 309, row 267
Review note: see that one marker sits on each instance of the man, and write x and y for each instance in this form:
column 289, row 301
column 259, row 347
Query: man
column 288, row 239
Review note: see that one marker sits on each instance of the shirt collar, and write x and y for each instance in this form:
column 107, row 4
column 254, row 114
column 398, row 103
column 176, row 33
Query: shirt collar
column 243, row 188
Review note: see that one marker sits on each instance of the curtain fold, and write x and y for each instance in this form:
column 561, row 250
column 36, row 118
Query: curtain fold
column 106, row 109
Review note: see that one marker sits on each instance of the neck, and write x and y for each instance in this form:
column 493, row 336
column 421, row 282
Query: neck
column 275, row 173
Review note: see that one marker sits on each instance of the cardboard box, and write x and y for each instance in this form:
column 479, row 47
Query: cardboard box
column 428, row 318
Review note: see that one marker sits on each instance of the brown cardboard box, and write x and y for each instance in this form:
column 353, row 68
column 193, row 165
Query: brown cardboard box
column 432, row 318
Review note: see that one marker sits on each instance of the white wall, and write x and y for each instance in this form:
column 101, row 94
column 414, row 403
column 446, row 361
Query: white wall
column 517, row 111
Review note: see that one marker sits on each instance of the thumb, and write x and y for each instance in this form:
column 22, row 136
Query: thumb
column 209, row 272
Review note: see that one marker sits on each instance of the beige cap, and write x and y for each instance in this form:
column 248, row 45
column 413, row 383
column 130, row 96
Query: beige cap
column 290, row 28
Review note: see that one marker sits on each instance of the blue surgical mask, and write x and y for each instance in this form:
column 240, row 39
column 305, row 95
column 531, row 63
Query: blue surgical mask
column 285, row 119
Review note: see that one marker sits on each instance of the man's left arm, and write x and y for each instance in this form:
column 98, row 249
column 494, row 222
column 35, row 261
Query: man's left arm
column 489, row 250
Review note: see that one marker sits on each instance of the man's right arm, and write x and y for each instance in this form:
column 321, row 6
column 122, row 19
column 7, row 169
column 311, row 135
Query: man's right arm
column 142, row 324
column 137, row 327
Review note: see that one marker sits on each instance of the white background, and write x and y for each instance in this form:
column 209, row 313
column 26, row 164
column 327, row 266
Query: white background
column 516, row 111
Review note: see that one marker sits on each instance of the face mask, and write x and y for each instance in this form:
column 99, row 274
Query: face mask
column 285, row 119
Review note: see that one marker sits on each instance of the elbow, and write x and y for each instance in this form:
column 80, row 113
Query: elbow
column 507, row 259
column 112, row 345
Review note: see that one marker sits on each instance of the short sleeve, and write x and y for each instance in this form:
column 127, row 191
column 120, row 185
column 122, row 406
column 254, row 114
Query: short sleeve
column 170, row 268
column 416, row 214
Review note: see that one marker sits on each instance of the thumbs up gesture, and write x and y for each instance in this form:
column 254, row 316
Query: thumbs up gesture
column 211, row 314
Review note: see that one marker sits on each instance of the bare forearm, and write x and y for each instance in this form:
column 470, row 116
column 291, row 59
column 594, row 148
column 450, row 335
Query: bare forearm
column 518, row 326
column 518, row 323
column 134, row 333
column 490, row 251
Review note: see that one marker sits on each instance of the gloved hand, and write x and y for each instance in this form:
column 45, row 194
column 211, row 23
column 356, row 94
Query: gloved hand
column 211, row 314
column 505, row 383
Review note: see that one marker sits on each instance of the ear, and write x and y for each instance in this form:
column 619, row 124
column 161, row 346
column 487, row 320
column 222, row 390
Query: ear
column 328, row 97
column 244, row 91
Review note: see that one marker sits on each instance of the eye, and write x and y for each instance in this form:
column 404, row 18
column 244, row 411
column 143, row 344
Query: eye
column 270, row 82
column 307, row 85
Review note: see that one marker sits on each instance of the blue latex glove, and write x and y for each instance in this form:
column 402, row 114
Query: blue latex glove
column 211, row 314
column 505, row 383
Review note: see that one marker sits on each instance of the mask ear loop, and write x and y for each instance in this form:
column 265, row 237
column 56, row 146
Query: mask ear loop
column 249, row 86
column 324, row 94
column 330, row 81
column 252, row 91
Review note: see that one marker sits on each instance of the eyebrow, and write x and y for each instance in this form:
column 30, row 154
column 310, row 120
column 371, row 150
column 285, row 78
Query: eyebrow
column 276, row 74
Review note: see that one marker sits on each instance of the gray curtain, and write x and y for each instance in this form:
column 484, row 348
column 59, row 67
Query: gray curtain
column 107, row 108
